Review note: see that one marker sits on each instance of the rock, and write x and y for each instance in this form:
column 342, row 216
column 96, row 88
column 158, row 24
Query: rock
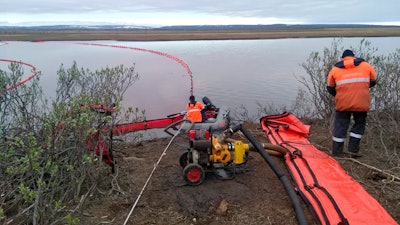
column 222, row 208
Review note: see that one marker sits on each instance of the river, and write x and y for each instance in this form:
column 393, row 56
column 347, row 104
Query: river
column 236, row 73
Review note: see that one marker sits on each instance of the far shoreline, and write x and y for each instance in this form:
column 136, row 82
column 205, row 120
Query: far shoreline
column 198, row 34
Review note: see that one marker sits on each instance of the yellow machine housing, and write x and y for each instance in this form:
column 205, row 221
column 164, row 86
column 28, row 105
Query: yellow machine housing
column 224, row 152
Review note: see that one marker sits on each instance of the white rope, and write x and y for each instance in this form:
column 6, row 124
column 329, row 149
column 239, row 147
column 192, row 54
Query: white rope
column 151, row 174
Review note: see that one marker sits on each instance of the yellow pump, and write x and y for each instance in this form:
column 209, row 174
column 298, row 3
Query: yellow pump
column 218, row 154
column 222, row 152
column 239, row 152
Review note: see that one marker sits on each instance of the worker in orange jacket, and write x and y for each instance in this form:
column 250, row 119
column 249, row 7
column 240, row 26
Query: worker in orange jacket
column 194, row 110
column 349, row 81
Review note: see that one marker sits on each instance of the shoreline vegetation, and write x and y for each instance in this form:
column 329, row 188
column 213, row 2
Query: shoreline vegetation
column 197, row 34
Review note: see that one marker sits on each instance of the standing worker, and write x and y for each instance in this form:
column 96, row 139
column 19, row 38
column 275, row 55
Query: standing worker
column 349, row 81
column 194, row 110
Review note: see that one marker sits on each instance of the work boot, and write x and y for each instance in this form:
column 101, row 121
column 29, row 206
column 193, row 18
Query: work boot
column 354, row 147
column 337, row 149
column 354, row 154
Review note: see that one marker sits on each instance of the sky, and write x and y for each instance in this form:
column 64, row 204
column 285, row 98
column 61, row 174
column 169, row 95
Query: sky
column 197, row 12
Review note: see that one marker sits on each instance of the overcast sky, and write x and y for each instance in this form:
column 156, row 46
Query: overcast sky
column 198, row 12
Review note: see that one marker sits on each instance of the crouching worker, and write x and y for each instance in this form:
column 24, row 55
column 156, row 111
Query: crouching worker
column 194, row 109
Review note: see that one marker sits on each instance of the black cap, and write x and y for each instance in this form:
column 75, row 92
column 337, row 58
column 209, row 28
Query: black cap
column 347, row 52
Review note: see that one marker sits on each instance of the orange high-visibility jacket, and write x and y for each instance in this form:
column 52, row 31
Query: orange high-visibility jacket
column 194, row 112
column 351, row 78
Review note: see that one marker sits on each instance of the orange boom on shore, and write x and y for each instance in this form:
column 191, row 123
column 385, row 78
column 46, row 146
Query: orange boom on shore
column 334, row 196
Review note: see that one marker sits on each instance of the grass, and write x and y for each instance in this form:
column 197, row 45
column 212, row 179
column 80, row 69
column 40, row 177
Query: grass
column 175, row 35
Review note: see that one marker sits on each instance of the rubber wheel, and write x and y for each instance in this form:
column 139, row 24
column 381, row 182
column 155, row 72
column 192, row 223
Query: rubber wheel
column 193, row 174
column 184, row 159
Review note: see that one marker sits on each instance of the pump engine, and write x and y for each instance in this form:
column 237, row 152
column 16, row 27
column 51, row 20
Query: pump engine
column 211, row 153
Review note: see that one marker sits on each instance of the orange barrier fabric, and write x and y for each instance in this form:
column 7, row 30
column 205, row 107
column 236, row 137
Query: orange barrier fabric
column 334, row 197
column 121, row 129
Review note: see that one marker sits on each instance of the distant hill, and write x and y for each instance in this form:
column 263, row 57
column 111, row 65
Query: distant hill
column 76, row 27
column 271, row 26
column 194, row 27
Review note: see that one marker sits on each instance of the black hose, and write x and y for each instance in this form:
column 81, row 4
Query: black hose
column 282, row 177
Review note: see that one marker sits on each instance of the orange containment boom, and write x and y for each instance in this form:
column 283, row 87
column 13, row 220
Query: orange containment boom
column 121, row 129
column 335, row 197
column 96, row 142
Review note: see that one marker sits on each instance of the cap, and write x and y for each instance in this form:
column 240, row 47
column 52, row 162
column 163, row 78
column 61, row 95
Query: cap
column 347, row 52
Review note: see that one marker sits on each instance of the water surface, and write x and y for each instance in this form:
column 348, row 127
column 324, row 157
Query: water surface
column 231, row 72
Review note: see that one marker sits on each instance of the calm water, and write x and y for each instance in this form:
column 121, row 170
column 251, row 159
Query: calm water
column 230, row 72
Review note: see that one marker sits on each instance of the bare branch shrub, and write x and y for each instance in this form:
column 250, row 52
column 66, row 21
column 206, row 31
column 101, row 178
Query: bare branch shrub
column 382, row 134
column 384, row 119
column 46, row 170
column 317, row 67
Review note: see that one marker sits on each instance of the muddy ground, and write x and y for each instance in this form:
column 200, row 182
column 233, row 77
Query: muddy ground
column 254, row 196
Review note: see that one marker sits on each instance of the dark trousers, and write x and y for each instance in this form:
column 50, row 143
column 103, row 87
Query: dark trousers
column 342, row 123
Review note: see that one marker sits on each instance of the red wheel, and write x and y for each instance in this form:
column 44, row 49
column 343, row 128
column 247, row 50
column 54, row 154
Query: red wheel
column 193, row 174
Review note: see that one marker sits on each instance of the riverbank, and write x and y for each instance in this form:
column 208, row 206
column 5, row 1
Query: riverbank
column 254, row 196
column 198, row 34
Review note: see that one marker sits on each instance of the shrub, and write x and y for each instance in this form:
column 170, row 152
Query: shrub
column 383, row 126
column 46, row 169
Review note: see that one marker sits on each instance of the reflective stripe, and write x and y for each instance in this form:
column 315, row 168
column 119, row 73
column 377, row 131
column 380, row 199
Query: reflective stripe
column 338, row 139
column 354, row 80
column 194, row 110
column 355, row 135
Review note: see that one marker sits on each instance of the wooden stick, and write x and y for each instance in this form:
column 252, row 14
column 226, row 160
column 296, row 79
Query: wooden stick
column 389, row 175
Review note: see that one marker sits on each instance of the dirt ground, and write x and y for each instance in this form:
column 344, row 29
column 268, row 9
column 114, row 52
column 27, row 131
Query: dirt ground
column 254, row 196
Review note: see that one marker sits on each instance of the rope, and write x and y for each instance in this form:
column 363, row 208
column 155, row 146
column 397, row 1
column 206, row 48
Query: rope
column 151, row 174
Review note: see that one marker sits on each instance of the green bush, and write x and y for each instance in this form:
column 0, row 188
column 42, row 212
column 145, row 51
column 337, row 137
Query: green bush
column 46, row 169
